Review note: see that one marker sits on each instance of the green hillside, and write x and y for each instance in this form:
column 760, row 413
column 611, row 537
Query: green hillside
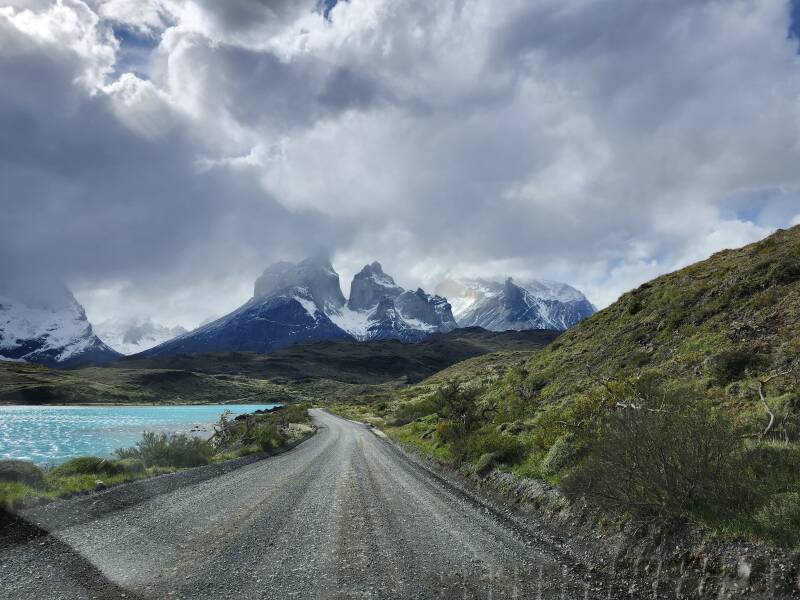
column 682, row 361
column 321, row 372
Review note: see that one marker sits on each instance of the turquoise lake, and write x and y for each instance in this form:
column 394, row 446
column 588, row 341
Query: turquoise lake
column 49, row 435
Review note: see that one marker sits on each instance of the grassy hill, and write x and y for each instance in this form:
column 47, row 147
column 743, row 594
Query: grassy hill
column 321, row 372
column 678, row 365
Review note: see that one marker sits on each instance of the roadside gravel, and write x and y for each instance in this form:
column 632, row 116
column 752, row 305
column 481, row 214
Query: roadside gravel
column 343, row 515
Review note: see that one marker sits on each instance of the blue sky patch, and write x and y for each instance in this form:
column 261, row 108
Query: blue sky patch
column 134, row 50
column 326, row 6
column 794, row 20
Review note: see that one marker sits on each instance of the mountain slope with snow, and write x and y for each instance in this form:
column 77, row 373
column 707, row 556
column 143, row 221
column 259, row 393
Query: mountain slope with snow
column 49, row 328
column 379, row 309
column 531, row 304
column 135, row 335
column 303, row 302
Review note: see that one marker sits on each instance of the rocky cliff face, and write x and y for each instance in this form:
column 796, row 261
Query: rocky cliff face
column 48, row 327
column 379, row 309
column 303, row 302
column 532, row 304
column 369, row 286
column 315, row 275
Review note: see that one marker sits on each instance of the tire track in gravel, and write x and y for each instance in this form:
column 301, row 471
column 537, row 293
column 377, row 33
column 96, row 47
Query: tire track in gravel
column 343, row 515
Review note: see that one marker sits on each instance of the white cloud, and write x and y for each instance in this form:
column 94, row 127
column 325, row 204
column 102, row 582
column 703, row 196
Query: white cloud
column 597, row 143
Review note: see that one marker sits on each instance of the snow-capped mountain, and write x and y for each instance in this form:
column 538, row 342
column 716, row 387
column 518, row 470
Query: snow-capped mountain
column 288, row 306
column 135, row 335
column 379, row 309
column 303, row 302
column 48, row 327
column 531, row 304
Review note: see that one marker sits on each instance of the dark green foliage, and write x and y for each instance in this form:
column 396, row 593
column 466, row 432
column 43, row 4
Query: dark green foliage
column 131, row 466
column 505, row 448
column 21, row 471
column 267, row 436
column 87, row 465
column 169, row 450
column 562, row 454
column 459, row 413
column 266, row 431
column 671, row 459
column 779, row 518
column 733, row 364
column 411, row 411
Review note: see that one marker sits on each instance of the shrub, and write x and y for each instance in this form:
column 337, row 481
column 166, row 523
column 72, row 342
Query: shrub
column 131, row 466
column 21, row 471
column 779, row 519
column 487, row 462
column 87, row 465
column 268, row 437
column 295, row 413
column 169, row 450
column 731, row 365
column 411, row 411
column 671, row 460
column 505, row 448
column 561, row 455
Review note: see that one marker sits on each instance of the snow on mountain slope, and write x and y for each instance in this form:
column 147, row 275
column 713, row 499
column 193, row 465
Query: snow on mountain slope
column 303, row 302
column 525, row 304
column 135, row 335
column 52, row 330
column 379, row 309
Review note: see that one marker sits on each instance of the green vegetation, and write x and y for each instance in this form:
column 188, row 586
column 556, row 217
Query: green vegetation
column 322, row 372
column 23, row 483
column 169, row 450
column 88, row 465
column 261, row 432
column 679, row 401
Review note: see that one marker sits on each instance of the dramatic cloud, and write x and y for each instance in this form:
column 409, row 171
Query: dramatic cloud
column 157, row 154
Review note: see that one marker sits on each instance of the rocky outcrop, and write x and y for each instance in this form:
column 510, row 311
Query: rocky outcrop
column 369, row 286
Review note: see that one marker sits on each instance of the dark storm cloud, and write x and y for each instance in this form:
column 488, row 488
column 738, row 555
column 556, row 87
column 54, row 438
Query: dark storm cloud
column 155, row 153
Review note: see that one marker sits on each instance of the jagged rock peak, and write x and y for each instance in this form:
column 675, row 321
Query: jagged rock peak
column 314, row 275
column 369, row 286
column 433, row 311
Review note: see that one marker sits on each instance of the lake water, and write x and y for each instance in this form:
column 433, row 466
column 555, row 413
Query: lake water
column 49, row 435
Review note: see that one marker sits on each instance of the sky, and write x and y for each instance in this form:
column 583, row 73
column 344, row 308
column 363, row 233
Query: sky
column 157, row 155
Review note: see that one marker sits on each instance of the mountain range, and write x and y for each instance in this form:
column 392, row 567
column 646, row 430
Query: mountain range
column 131, row 336
column 49, row 327
column 303, row 302
column 501, row 305
column 292, row 303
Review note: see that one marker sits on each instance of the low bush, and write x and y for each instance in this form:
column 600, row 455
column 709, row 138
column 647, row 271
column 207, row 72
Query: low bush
column 505, row 448
column 562, row 455
column 87, row 465
column 169, row 450
column 779, row 518
column 268, row 437
column 672, row 460
column 732, row 365
column 21, row 471
column 295, row 413
column 131, row 466
column 411, row 411
column 487, row 462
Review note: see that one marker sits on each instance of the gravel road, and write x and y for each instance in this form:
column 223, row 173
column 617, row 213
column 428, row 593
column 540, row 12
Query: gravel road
column 343, row 515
